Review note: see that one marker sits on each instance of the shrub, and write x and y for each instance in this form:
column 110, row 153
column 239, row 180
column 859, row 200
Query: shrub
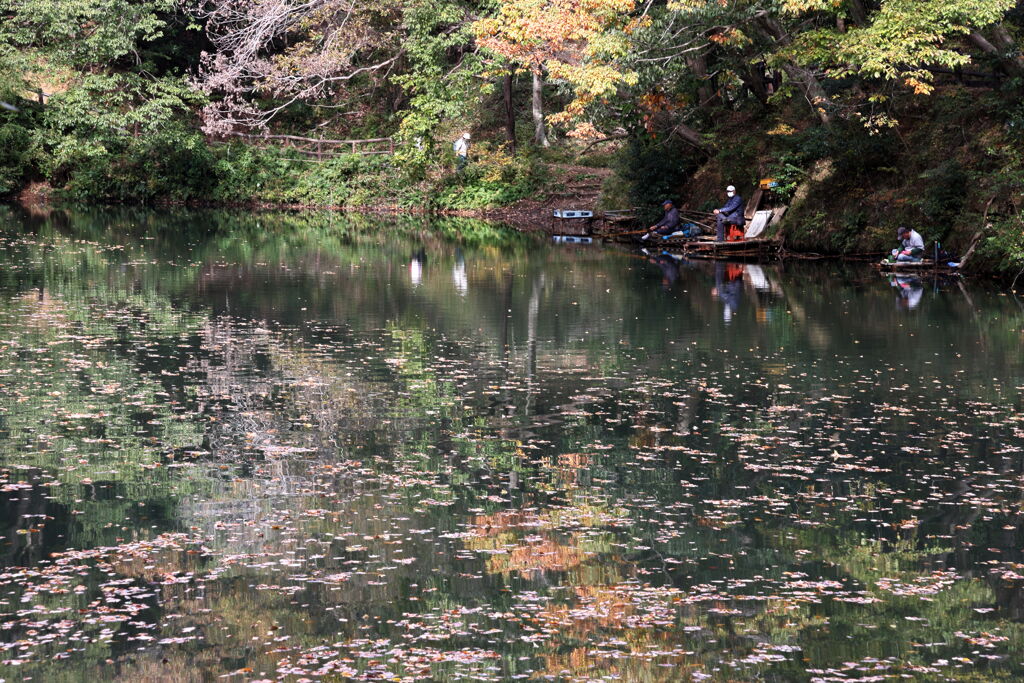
column 493, row 178
column 246, row 173
column 172, row 165
column 944, row 195
column 17, row 156
column 654, row 170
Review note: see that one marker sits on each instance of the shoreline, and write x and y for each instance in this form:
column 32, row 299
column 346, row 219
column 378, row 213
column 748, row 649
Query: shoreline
column 522, row 217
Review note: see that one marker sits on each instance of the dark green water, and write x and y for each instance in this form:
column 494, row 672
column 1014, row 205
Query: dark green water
column 323, row 447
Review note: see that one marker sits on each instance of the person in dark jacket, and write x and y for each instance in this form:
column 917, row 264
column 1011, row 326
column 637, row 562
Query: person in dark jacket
column 730, row 214
column 668, row 224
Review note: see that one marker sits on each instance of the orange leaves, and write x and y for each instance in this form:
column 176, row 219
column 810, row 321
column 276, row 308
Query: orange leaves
column 919, row 86
column 655, row 103
column 729, row 37
column 636, row 24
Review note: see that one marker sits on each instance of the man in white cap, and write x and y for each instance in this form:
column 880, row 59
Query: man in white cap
column 461, row 147
column 730, row 214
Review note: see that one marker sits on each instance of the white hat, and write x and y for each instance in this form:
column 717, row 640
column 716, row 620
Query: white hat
column 465, row 135
column 731, row 188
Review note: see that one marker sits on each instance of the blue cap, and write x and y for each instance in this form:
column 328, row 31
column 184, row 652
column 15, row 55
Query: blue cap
column 666, row 201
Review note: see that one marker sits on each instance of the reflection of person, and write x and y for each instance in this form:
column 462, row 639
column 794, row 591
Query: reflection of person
column 669, row 269
column 909, row 291
column 419, row 259
column 730, row 214
column 669, row 222
column 461, row 147
column 912, row 245
column 728, row 288
column 459, row 273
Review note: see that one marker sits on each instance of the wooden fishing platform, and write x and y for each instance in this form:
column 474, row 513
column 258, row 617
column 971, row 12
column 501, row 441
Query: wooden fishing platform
column 923, row 266
column 761, row 212
column 757, row 248
column 704, row 247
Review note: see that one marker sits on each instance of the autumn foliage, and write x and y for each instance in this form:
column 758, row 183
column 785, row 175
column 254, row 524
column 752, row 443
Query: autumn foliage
column 580, row 43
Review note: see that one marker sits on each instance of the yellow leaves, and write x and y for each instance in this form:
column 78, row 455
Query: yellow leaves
column 576, row 41
column 782, row 129
column 584, row 131
column 801, row 6
column 685, row 5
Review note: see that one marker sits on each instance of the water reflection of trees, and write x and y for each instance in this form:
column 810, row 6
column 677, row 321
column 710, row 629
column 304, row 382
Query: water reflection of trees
column 555, row 424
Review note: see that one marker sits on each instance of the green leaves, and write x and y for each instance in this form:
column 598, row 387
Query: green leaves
column 79, row 34
column 442, row 79
column 907, row 36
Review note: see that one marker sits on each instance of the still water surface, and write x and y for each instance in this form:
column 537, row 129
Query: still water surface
column 239, row 447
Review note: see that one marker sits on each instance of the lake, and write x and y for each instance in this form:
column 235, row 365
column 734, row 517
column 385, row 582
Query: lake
column 330, row 447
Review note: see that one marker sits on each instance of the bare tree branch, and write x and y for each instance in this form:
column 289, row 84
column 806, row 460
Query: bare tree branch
column 289, row 51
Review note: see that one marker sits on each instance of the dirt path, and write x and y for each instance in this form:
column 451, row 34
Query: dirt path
column 571, row 187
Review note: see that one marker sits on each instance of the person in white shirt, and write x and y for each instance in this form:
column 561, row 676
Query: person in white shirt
column 461, row 147
column 912, row 243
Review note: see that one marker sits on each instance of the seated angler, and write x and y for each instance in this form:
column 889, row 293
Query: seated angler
column 911, row 245
column 668, row 225
column 730, row 214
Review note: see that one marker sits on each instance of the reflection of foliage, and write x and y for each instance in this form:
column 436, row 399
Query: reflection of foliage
column 536, row 465
column 90, row 373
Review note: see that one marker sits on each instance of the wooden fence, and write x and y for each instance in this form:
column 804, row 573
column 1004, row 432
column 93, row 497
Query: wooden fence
column 318, row 148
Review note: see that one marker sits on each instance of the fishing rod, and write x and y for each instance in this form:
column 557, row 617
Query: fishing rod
column 624, row 234
column 703, row 225
column 706, row 226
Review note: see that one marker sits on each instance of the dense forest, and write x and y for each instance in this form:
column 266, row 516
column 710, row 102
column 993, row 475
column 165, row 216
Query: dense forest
column 869, row 113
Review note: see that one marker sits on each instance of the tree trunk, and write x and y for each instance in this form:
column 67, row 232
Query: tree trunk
column 754, row 77
column 805, row 78
column 540, row 135
column 812, row 89
column 691, row 136
column 699, row 66
column 983, row 44
column 1013, row 65
column 1011, row 50
column 1004, row 39
column 857, row 12
column 510, row 116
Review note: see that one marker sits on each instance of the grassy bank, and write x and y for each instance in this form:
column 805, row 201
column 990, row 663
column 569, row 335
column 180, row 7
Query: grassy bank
column 185, row 169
